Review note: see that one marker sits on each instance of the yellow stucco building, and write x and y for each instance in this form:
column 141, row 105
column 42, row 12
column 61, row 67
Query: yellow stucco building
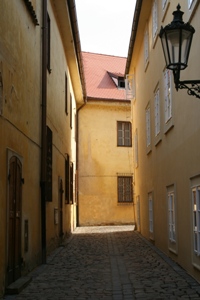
column 105, row 189
column 40, row 92
column 82, row 145
column 166, row 131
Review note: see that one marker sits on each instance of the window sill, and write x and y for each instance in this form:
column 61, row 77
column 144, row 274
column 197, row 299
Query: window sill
column 125, row 203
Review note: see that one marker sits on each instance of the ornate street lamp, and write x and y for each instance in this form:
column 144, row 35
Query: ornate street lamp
column 176, row 41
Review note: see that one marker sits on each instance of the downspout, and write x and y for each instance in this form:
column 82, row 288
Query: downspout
column 77, row 44
column 43, row 131
column 77, row 161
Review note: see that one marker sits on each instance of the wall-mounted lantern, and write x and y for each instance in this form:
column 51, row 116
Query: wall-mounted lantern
column 176, row 39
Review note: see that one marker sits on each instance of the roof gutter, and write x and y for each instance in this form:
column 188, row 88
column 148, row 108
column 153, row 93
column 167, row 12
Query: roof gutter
column 136, row 17
column 77, row 43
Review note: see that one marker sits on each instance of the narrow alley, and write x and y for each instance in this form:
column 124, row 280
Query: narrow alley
column 111, row 262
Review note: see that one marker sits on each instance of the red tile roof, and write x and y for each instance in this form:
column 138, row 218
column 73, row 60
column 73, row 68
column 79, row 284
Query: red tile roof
column 99, row 83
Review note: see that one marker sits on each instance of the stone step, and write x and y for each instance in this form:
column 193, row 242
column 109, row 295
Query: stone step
column 17, row 286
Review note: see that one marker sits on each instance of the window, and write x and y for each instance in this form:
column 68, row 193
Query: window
column 124, row 134
column 196, row 219
column 168, row 97
column 164, row 2
column 70, row 111
column 148, row 127
column 157, row 112
column 71, row 181
column 66, row 95
column 125, row 189
column 190, row 3
column 150, row 199
column 48, row 43
column 146, row 47
column 67, row 179
column 171, row 216
column 155, row 19
column 121, row 83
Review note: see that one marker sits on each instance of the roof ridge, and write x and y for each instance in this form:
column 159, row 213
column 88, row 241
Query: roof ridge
column 88, row 52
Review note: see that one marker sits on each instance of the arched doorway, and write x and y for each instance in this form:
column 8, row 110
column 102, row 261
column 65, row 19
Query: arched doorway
column 14, row 215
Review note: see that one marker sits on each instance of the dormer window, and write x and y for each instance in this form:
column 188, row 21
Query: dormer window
column 121, row 83
column 118, row 80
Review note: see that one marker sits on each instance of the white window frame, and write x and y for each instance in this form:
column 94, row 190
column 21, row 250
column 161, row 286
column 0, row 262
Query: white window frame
column 171, row 216
column 196, row 219
column 168, row 94
column 190, row 3
column 148, row 126
column 164, row 2
column 151, row 221
column 154, row 19
column 157, row 111
column 146, row 47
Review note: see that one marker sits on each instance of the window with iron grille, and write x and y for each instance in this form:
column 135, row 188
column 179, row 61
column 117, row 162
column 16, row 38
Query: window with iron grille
column 125, row 191
column 124, row 134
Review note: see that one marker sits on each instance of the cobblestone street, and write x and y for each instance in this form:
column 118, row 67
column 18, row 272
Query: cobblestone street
column 111, row 262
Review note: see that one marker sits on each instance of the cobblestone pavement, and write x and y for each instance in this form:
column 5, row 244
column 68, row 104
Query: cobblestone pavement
column 112, row 262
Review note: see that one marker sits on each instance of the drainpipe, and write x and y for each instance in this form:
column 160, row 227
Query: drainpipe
column 77, row 44
column 77, row 161
column 43, row 131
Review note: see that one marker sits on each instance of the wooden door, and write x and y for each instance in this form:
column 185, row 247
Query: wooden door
column 14, row 231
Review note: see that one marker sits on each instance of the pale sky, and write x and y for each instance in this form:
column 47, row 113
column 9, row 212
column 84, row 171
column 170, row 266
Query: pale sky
column 105, row 25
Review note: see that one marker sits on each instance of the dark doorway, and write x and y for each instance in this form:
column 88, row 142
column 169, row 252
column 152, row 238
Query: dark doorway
column 14, row 230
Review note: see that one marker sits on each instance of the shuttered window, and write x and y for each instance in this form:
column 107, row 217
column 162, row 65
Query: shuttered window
column 125, row 189
column 124, row 134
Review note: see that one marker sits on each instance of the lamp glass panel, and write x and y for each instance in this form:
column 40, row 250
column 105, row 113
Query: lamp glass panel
column 186, row 42
column 165, row 49
column 173, row 38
